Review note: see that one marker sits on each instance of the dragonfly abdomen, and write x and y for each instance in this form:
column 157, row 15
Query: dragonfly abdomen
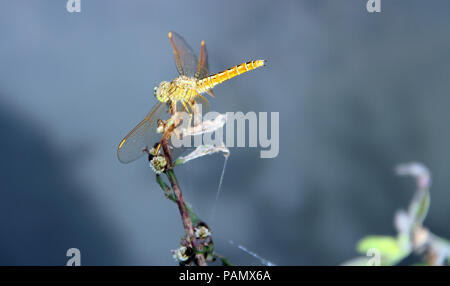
column 209, row 82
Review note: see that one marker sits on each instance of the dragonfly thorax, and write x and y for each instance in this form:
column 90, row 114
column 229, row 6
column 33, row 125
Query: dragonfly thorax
column 185, row 82
column 182, row 88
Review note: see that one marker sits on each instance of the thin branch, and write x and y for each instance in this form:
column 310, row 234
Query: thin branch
column 187, row 222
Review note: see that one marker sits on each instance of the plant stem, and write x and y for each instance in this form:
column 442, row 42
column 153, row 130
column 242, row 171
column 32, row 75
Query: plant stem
column 188, row 227
column 187, row 222
column 225, row 261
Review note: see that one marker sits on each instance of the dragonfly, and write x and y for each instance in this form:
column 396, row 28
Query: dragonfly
column 185, row 91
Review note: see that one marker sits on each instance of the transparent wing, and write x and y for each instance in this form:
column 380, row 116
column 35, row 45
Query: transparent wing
column 177, row 152
column 185, row 59
column 142, row 136
column 203, row 66
column 202, row 103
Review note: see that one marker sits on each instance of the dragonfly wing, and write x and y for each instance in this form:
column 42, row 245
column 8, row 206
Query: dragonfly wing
column 203, row 66
column 142, row 136
column 177, row 152
column 185, row 59
column 203, row 103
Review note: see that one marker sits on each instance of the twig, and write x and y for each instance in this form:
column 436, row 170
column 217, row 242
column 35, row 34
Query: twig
column 187, row 222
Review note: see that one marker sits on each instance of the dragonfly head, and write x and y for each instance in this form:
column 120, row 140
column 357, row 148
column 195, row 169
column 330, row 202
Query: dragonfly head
column 161, row 92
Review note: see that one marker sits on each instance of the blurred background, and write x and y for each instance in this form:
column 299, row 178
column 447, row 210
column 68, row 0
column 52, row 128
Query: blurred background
column 357, row 94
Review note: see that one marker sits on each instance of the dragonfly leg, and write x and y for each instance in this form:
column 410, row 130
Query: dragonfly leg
column 194, row 110
column 173, row 108
column 188, row 111
column 157, row 149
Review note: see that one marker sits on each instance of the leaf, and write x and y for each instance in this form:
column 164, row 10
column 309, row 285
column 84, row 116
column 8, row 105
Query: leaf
column 390, row 250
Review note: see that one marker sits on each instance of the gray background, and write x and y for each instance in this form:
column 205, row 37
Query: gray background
column 357, row 94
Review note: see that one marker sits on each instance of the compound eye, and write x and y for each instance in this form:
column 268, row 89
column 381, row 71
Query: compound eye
column 154, row 91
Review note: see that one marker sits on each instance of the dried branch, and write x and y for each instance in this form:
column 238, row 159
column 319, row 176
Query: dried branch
column 185, row 217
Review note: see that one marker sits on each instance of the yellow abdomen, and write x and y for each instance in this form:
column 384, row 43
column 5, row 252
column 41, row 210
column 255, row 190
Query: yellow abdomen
column 207, row 83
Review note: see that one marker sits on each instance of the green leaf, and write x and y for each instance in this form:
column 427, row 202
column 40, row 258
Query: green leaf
column 389, row 248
